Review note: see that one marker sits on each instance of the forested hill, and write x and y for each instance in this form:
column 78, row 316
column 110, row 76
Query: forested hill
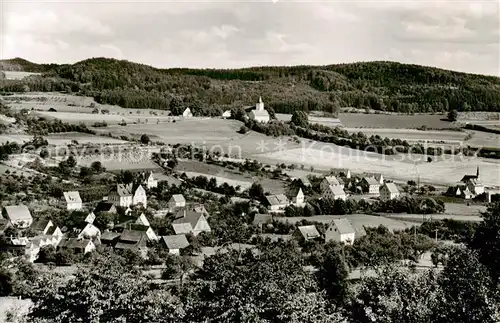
column 385, row 86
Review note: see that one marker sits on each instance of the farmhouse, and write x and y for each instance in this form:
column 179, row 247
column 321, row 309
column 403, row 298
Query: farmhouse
column 18, row 215
column 77, row 245
column 370, row 185
column 307, row 233
column 41, row 226
column 104, row 207
column 259, row 114
column 340, row 230
column 296, row 196
column 149, row 181
column 330, row 181
column 177, row 200
column 334, row 193
column 466, row 178
column 140, row 197
column 90, row 231
column 187, row 113
column 276, row 202
column 389, row 191
column 175, row 243
column 109, row 238
column 190, row 222
column 475, row 187
column 134, row 240
column 72, row 200
column 121, row 195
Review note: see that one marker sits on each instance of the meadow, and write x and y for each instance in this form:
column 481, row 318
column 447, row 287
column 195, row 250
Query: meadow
column 62, row 139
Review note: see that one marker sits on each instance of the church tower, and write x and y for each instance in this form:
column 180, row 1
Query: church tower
column 259, row 106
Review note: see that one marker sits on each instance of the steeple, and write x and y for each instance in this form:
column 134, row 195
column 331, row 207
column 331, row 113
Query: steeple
column 260, row 99
column 260, row 105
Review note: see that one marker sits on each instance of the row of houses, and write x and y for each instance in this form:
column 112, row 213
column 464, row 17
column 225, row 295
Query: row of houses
column 333, row 188
column 339, row 230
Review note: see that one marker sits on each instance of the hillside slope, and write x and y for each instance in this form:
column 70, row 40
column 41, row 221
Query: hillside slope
column 387, row 86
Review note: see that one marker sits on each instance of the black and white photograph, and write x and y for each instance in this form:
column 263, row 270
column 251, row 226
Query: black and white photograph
column 250, row 161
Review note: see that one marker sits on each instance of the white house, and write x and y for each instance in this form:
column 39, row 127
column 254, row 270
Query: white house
column 73, row 200
column 226, row 114
column 140, row 197
column 191, row 222
column 340, row 230
column 330, row 181
column 296, row 196
column 379, row 177
column 90, row 231
column 259, row 114
column 475, row 186
column 90, row 218
column 121, row 195
column 150, row 181
column 389, row 191
column 463, row 192
column 277, row 202
column 175, row 243
column 177, row 200
column 18, row 215
column 370, row 185
column 334, row 193
column 187, row 113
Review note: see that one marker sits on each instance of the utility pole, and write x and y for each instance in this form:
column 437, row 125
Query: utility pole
column 436, row 234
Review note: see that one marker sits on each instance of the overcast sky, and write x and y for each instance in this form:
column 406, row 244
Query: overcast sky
column 457, row 35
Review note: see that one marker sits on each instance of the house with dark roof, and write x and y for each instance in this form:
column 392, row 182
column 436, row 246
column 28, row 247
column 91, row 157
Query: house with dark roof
column 466, row 178
column 105, row 207
column 262, row 219
column 41, row 226
column 296, row 196
column 121, row 195
column 307, row 233
column 72, row 200
column 77, row 245
column 133, row 240
column 370, row 185
column 340, row 230
column 330, row 181
column 190, row 222
column 150, row 181
column 389, row 191
column 175, row 243
column 276, row 202
column 109, row 238
column 18, row 215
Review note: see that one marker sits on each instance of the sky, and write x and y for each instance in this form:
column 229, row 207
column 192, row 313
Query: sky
column 456, row 35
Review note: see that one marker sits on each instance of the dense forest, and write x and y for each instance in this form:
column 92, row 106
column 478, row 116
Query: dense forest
column 385, row 86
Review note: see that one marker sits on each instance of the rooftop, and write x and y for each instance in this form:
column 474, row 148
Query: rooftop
column 178, row 241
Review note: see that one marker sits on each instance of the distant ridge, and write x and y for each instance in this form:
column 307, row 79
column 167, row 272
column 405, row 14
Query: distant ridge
column 379, row 85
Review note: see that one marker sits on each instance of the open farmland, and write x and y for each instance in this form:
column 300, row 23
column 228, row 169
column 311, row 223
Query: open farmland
column 62, row 139
column 15, row 75
column 358, row 221
column 330, row 122
column 359, row 120
column 444, row 170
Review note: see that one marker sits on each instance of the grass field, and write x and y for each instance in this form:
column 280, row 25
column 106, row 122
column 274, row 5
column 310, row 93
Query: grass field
column 359, row 120
column 15, row 75
column 358, row 221
column 444, row 170
column 61, row 139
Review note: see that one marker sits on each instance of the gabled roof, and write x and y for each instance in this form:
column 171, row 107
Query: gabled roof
column 260, row 113
column 371, row 181
column 132, row 236
column 52, row 230
column 40, row 225
column 104, row 206
column 200, row 209
column 123, row 189
column 343, row 226
column 72, row 197
column 332, row 180
column 109, row 236
column 262, row 219
column 468, row 177
column 91, row 230
column 279, row 199
column 142, row 220
column 178, row 198
column 475, row 182
column 292, row 193
column 391, row 187
column 18, row 213
column 190, row 217
column 336, row 190
column 178, row 241
column 73, row 243
column 305, row 181
column 309, row 231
